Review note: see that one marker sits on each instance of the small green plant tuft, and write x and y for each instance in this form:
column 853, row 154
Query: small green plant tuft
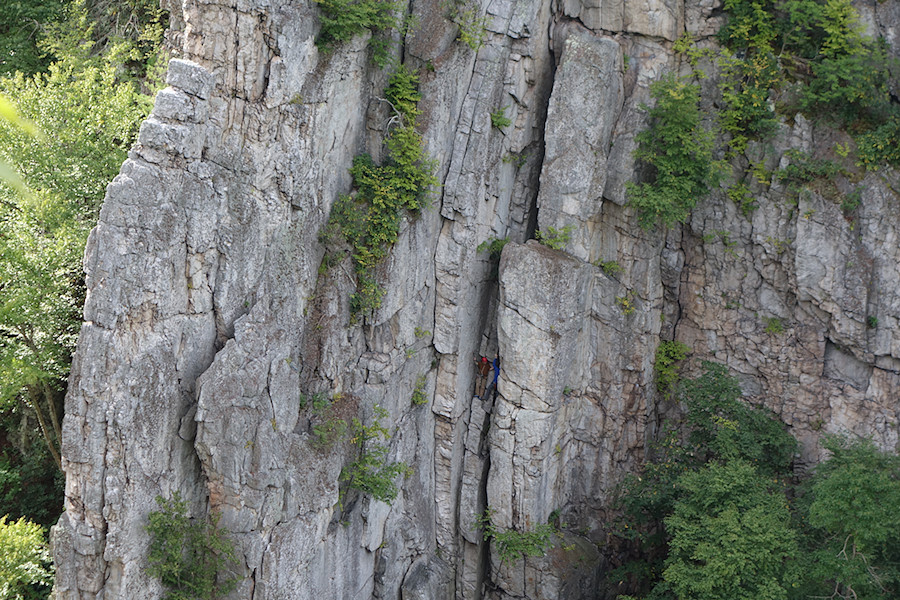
column 188, row 555
column 555, row 238
column 371, row 473
column 626, row 304
column 851, row 201
column 872, row 322
column 773, row 325
column 329, row 433
column 668, row 355
column 513, row 545
column 419, row 397
column 493, row 245
column 472, row 26
column 610, row 267
column 499, row 118
column 740, row 195
column 515, row 158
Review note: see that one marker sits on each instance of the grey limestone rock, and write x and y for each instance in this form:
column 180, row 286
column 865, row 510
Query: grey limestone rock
column 209, row 326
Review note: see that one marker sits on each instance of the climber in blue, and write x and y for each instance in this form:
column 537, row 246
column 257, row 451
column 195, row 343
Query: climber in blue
column 492, row 389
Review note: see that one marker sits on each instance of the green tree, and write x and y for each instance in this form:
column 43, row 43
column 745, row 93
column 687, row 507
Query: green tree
column 722, row 427
column 21, row 24
column 731, row 536
column 188, row 555
column 718, row 430
column 25, row 569
column 852, row 524
column 92, row 119
column 89, row 105
column 677, row 151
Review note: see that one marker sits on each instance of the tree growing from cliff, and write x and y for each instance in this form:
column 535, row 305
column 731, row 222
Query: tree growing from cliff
column 677, row 153
column 370, row 220
column 188, row 555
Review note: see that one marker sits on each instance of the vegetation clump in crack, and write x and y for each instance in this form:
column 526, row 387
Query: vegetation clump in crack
column 342, row 20
column 189, row 556
column 512, row 544
column 677, row 152
column 369, row 219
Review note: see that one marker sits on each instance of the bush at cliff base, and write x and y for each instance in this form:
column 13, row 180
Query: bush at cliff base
column 25, row 569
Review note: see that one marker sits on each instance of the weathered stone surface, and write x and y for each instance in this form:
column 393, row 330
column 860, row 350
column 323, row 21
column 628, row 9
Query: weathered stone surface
column 208, row 327
column 652, row 18
column 570, row 413
column 584, row 106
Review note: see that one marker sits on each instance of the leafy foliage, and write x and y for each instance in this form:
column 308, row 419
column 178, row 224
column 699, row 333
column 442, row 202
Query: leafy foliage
column 371, row 473
column 803, row 168
column 188, row 555
column 511, row 544
column 711, row 518
column 718, row 429
column 75, row 120
column 20, row 26
column 849, row 85
column 30, row 484
column 472, row 25
column 668, row 355
column 774, row 325
column 494, row 246
column 403, row 93
column 819, row 44
column 850, row 72
column 730, row 536
column 419, row 397
column 852, row 539
column 25, row 569
column 751, row 23
column 499, row 118
column 745, row 89
column 370, row 220
column 93, row 118
column 722, row 427
column 678, row 152
column 342, row 20
column 611, row 268
column 555, row 238
column 881, row 145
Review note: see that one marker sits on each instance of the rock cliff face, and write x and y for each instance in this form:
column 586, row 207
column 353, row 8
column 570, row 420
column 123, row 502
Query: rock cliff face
column 209, row 325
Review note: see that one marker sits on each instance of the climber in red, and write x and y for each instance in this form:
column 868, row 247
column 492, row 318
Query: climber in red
column 483, row 367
